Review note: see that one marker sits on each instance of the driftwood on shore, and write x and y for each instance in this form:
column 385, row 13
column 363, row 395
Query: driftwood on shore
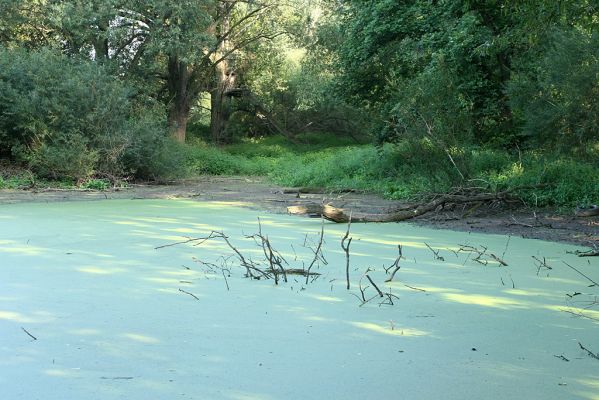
column 339, row 215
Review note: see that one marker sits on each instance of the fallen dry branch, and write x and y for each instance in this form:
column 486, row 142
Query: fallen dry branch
column 345, row 247
column 461, row 196
column 589, row 352
column 191, row 294
column 482, row 255
column 29, row 334
column 436, row 253
column 274, row 258
column 374, row 285
column 593, row 283
column 589, row 253
column 318, row 256
column 396, row 267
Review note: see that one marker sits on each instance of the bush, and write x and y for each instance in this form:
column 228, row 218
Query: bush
column 556, row 99
column 68, row 118
column 63, row 156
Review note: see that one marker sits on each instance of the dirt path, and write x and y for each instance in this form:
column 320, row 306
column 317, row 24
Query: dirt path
column 257, row 193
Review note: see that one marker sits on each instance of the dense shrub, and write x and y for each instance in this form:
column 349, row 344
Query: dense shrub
column 556, row 100
column 68, row 118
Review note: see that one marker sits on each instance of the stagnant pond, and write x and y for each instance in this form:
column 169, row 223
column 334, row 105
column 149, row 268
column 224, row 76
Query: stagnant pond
column 91, row 309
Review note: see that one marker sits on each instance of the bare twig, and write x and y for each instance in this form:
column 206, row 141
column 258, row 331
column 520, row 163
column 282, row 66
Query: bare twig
column 506, row 246
column 318, row 251
column 414, row 288
column 345, row 248
column 29, row 334
column 541, row 264
column 482, row 256
column 395, row 264
column 589, row 352
column 580, row 315
column 191, row 294
column 374, row 285
column 592, row 281
column 189, row 240
column 225, row 276
column 436, row 253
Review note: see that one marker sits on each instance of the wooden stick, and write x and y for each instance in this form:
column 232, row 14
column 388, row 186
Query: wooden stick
column 30, row 335
column 345, row 248
column 191, row 294
column 589, row 352
column 318, row 251
column 375, row 286
column 594, row 283
column 395, row 264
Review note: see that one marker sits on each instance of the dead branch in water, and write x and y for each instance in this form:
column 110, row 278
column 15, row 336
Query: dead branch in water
column 482, row 255
column 345, row 248
column 318, row 251
column 395, row 264
column 589, row 352
column 580, row 273
column 541, row 264
column 436, row 253
column 29, row 334
column 191, row 294
column 274, row 258
column 374, row 285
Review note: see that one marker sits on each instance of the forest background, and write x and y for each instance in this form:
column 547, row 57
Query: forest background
column 401, row 98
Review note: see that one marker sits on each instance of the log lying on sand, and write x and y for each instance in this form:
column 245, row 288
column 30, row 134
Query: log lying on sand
column 340, row 215
column 316, row 190
column 591, row 211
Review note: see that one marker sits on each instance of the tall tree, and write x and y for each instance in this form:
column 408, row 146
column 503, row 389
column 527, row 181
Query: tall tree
column 179, row 49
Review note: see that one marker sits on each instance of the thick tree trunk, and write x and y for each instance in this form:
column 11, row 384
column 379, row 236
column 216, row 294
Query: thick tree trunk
column 177, row 120
column 220, row 110
column 180, row 97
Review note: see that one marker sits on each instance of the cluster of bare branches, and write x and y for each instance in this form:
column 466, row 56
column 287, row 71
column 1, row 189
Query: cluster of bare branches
column 435, row 253
column 395, row 266
column 481, row 254
column 581, row 302
column 541, row 264
column 386, row 298
column 273, row 265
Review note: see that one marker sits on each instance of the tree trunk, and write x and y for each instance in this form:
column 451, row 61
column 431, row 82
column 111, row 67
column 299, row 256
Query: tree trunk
column 220, row 104
column 179, row 97
column 224, row 79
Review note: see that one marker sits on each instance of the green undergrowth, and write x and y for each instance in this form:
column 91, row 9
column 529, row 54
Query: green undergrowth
column 405, row 170
column 18, row 179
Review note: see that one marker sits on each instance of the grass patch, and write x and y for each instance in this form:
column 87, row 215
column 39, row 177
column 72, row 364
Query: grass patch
column 401, row 171
column 406, row 170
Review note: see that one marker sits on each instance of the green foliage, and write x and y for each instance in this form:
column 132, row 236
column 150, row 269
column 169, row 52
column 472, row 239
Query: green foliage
column 556, row 100
column 150, row 154
column 45, row 98
column 404, row 170
column 17, row 181
column 67, row 118
column 448, row 63
column 63, row 156
column 96, row 184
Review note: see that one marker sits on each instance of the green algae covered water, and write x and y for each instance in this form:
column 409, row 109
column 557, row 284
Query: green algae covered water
column 115, row 318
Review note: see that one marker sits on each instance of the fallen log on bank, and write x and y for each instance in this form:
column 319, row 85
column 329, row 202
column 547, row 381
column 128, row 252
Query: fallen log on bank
column 339, row 215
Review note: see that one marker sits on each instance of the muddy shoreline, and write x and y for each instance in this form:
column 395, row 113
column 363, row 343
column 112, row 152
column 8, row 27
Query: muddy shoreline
column 259, row 194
